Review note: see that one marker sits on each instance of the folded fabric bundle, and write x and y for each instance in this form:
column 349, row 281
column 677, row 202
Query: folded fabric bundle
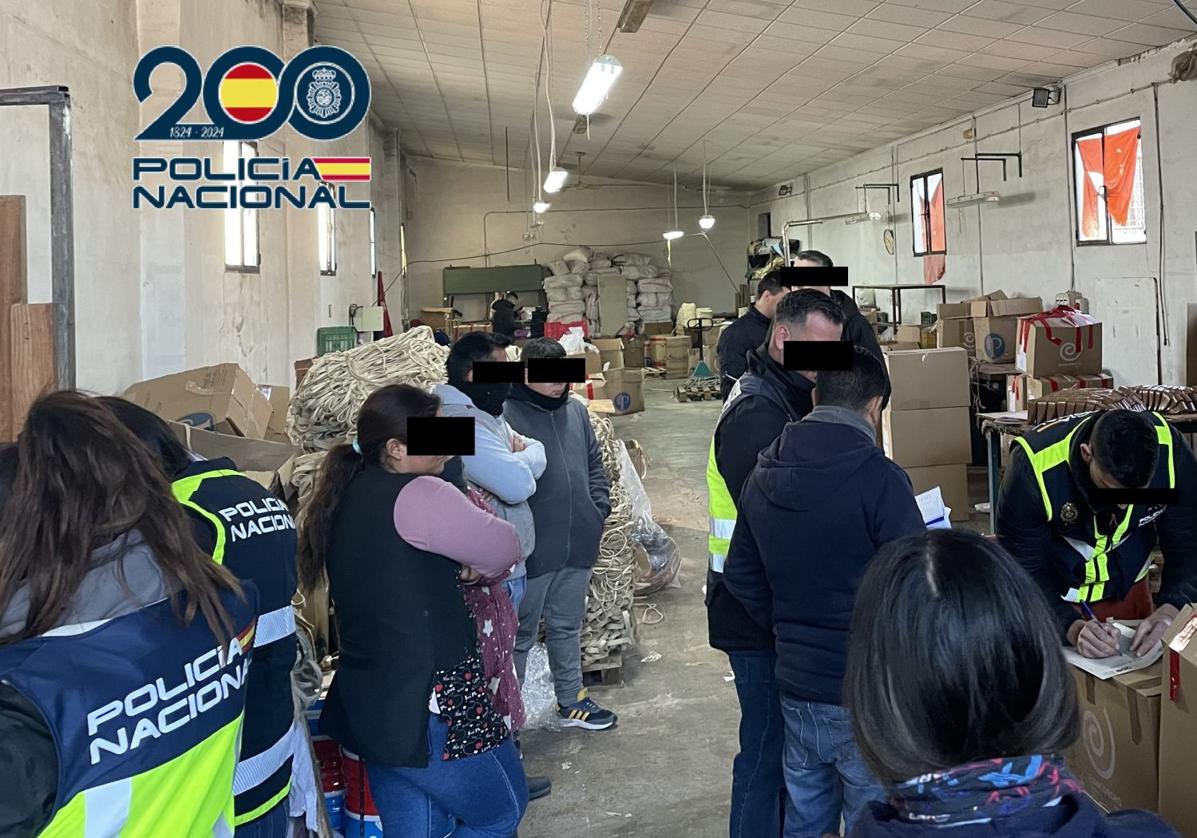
column 631, row 259
column 638, row 272
column 563, row 281
column 579, row 254
column 578, row 266
column 559, row 267
column 653, row 300
column 654, row 286
column 600, row 261
column 565, row 316
column 562, row 295
column 633, row 314
column 654, row 314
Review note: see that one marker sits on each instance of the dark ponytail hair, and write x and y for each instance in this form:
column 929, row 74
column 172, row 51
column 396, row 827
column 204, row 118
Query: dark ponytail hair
column 153, row 431
column 382, row 418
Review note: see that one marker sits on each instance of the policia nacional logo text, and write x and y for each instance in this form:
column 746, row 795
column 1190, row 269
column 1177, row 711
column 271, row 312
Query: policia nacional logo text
column 258, row 517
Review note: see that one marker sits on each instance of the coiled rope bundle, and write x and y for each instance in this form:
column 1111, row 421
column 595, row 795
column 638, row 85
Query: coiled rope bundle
column 324, row 409
column 609, row 624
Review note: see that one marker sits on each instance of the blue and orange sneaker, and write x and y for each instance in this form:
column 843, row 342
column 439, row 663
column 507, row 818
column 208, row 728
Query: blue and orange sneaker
column 585, row 713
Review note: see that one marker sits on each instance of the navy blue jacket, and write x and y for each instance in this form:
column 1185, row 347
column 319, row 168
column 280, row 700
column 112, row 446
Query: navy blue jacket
column 822, row 500
column 1075, row 817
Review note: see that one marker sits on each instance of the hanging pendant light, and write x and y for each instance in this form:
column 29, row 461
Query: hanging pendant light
column 541, row 207
column 600, row 78
column 706, row 221
column 555, row 180
column 676, row 232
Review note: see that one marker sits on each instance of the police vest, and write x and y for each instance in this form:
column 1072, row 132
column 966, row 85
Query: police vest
column 721, row 509
column 255, row 538
column 145, row 716
column 1048, row 451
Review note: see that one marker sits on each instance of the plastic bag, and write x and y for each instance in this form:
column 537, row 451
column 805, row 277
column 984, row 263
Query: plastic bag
column 540, row 699
column 563, row 295
column 579, row 254
column 638, row 272
column 660, row 561
column 559, row 267
column 573, row 341
column 578, row 266
column 563, row 281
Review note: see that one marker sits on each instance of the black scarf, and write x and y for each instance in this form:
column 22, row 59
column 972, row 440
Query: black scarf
column 488, row 398
column 524, row 393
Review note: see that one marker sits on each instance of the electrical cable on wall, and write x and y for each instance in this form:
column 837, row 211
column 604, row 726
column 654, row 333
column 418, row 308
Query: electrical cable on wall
column 1185, row 10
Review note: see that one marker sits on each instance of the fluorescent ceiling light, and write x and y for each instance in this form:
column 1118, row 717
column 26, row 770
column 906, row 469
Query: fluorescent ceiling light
column 541, row 207
column 707, row 221
column 670, row 235
column 975, row 200
column 862, row 217
column 555, row 180
column 597, row 84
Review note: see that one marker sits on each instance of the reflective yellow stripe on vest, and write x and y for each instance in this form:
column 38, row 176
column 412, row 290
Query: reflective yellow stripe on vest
column 183, row 490
column 129, row 808
column 1097, row 555
column 721, row 513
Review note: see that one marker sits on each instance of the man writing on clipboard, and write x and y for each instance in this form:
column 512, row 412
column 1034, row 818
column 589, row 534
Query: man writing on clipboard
column 1083, row 502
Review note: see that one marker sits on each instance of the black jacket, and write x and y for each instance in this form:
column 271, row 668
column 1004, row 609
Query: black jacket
column 503, row 321
column 741, row 337
column 1040, row 547
column 1075, row 816
column 821, row 503
column 402, row 618
column 750, row 425
column 572, row 497
column 860, row 332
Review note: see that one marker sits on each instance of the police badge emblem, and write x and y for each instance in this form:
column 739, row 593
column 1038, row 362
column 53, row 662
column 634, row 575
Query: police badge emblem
column 324, row 94
column 1069, row 514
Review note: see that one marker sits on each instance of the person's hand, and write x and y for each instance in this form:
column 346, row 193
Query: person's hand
column 517, row 444
column 469, row 576
column 1152, row 630
column 1097, row 640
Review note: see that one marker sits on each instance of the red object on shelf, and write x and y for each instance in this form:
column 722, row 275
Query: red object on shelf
column 358, row 799
column 556, row 330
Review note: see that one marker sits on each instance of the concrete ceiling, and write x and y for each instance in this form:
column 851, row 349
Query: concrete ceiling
column 772, row 88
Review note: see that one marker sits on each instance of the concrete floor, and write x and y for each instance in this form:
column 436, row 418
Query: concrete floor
column 665, row 770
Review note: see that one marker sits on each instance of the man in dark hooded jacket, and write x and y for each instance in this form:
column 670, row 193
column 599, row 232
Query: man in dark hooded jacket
column 826, row 483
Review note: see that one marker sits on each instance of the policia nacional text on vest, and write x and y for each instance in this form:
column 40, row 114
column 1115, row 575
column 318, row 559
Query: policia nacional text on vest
column 251, row 532
column 1098, row 566
column 145, row 717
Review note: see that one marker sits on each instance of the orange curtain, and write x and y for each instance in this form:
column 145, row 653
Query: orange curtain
column 1121, row 160
column 939, row 238
column 1090, row 151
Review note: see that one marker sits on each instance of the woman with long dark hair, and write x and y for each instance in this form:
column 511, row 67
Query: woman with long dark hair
column 124, row 650
column 410, row 693
column 962, row 702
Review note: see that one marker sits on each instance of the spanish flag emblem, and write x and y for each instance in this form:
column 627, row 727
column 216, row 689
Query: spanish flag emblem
column 246, row 638
column 343, row 168
column 248, row 93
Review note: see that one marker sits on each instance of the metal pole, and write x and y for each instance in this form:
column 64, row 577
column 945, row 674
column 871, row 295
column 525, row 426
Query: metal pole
column 62, row 241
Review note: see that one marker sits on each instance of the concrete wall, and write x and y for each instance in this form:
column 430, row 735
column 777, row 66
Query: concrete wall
column 459, row 211
column 1026, row 244
column 152, row 292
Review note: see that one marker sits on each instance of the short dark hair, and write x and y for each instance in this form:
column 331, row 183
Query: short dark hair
column 1125, row 446
column 169, row 452
column 815, row 256
column 542, row 348
column 954, row 658
column 8, row 470
column 853, row 388
column 796, row 306
column 471, row 347
column 771, row 283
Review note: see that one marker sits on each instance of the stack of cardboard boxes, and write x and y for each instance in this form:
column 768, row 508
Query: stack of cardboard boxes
column 1056, row 350
column 671, row 354
column 926, row 427
column 985, row 327
column 1138, row 732
column 612, row 385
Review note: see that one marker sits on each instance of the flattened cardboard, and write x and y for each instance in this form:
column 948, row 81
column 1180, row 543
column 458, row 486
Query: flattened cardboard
column 258, row 458
column 279, row 397
column 953, row 485
column 928, row 378
column 937, row 437
column 1117, row 756
column 221, row 398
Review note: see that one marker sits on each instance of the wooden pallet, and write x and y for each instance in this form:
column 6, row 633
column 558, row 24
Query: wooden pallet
column 607, row 672
column 706, row 389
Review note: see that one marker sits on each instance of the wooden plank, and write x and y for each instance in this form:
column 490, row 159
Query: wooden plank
column 13, row 270
column 31, row 350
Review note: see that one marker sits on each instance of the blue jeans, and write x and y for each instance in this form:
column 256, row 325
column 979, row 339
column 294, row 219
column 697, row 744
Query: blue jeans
column 482, row 796
column 758, row 785
column 276, row 823
column 516, row 589
column 825, row 774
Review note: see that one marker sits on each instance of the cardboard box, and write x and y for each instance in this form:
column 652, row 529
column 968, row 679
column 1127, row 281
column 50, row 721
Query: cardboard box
column 1178, row 725
column 280, row 399
column 624, row 388
column 929, row 378
column 898, row 346
column 301, row 369
column 947, row 311
column 995, row 338
column 1001, row 306
column 909, row 334
column 656, row 351
column 1117, row 756
column 655, row 329
column 1061, row 341
column 222, row 398
column 438, row 318
column 633, row 353
column 611, row 352
column 956, row 332
column 1022, row 389
column 953, row 485
column 594, row 361
column 260, row 459
column 936, row 437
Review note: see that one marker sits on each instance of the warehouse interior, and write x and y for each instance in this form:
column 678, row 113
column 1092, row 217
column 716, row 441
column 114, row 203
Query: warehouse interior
column 995, row 180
